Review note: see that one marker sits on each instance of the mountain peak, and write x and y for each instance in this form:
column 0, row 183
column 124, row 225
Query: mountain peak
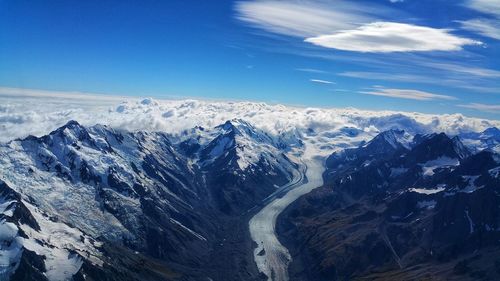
column 460, row 148
column 72, row 129
column 394, row 138
column 240, row 141
column 228, row 125
column 72, row 125
column 492, row 132
column 428, row 147
column 237, row 125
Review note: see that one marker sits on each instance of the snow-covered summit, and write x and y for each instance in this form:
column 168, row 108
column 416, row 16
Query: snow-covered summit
column 395, row 138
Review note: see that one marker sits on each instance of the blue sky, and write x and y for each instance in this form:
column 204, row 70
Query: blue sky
column 429, row 56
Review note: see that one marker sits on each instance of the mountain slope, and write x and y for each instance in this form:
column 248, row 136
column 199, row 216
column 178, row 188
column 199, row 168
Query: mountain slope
column 142, row 194
column 430, row 211
column 98, row 203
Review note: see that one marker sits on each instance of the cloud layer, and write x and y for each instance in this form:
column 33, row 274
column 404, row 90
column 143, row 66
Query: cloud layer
column 386, row 37
column 20, row 117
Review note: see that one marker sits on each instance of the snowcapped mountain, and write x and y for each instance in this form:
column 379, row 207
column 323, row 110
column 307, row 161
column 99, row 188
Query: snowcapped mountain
column 487, row 139
column 111, row 202
column 152, row 194
column 242, row 163
column 384, row 143
column 242, row 146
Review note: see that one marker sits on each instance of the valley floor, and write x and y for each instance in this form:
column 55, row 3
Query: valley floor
column 271, row 257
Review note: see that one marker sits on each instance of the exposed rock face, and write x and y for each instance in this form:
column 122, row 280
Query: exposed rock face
column 399, row 210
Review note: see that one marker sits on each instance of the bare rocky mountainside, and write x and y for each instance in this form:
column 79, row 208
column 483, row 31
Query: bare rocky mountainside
column 234, row 202
column 400, row 208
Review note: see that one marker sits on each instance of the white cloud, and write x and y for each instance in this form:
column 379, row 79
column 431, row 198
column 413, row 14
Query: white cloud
column 485, row 27
column 491, row 7
column 400, row 77
column 469, row 70
column 466, row 81
column 492, row 108
column 303, row 18
column 408, row 94
column 312, row 70
column 386, row 37
column 20, row 117
column 488, row 27
column 321, row 81
column 346, row 25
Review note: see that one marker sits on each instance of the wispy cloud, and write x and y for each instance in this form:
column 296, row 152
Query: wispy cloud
column 55, row 95
column 390, row 76
column 469, row 70
column 378, row 45
column 461, row 82
column 387, row 37
column 346, row 26
column 485, row 27
column 491, row 7
column 408, row 94
column 491, row 108
column 321, row 81
column 312, row 70
column 304, row 18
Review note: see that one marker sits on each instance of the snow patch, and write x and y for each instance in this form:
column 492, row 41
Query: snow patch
column 10, row 249
column 427, row 191
column 441, row 162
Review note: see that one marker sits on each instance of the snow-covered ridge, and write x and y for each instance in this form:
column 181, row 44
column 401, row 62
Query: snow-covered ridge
column 251, row 145
column 98, row 178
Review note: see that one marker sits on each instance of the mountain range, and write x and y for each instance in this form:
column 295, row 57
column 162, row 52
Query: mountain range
column 400, row 207
column 104, row 203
